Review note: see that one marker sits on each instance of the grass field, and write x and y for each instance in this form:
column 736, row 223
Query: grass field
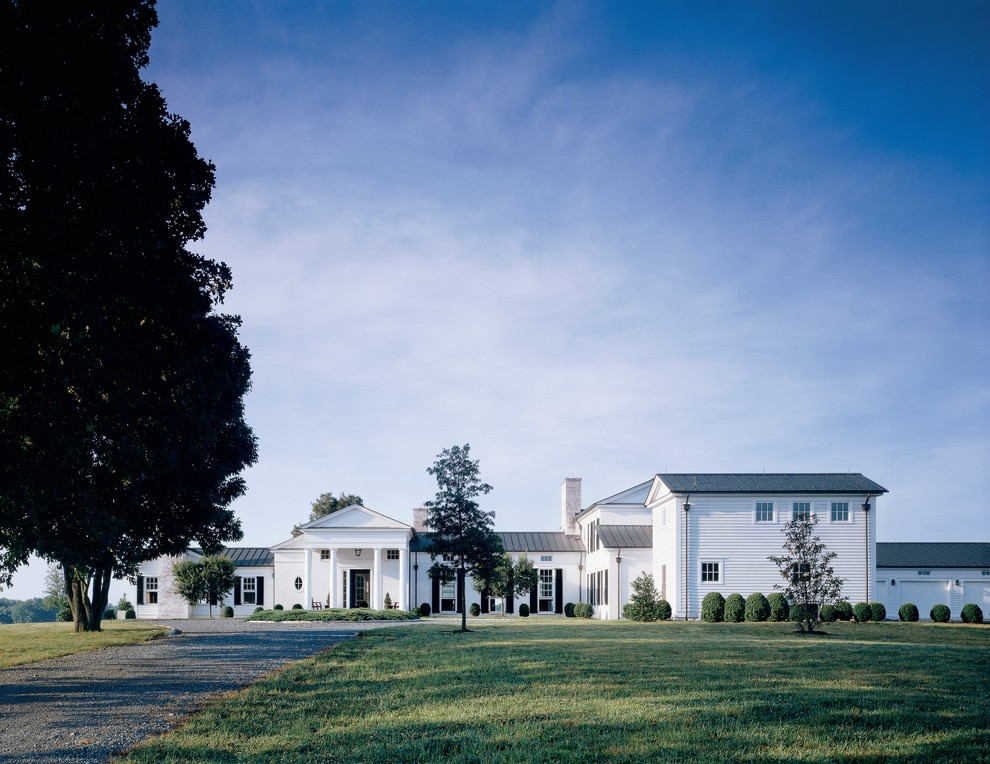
column 580, row 691
column 30, row 642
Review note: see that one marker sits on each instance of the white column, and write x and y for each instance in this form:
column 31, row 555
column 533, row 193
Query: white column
column 308, row 581
column 403, row 597
column 334, row 594
column 376, row 591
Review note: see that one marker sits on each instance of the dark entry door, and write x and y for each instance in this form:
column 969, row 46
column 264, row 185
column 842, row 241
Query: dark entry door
column 360, row 588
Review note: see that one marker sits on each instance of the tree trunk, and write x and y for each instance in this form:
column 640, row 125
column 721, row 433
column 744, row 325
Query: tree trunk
column 461, row 597
column 101, row 594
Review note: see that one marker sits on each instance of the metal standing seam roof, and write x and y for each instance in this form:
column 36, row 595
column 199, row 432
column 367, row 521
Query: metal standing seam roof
column 933, row 554
column 537, row 541
column 246, row 556
column 819, row 482
column 626, row 536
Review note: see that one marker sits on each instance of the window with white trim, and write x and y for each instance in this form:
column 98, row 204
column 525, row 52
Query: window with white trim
column 546, row 558
column 448, row 596
column 840, row 511
column 800, row 571
column 801, row 510
column 298, row 583
column 711, row 573
column 249, row 590
column 151, row 590
column 545, row 600
column 764, row 511
column 324, row 554
column 391, row 554
column 924, row 572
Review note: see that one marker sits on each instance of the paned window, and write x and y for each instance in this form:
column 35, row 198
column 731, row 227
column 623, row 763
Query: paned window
column 840, row 511
column 801, row 571
column 448, row 596
column 802, row 510
column 249, row 590
column 546, row 591
column 324, row 554
column 546, row 558
column 298, row 583
column 764, row 511
column 391, row 554
column 711, row 572
column 151, row 590
column 924, row 572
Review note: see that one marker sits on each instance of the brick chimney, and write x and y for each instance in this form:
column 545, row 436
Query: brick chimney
column 419, row 519
column 570, row 505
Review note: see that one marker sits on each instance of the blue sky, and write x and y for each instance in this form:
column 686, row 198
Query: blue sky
column 600, row 240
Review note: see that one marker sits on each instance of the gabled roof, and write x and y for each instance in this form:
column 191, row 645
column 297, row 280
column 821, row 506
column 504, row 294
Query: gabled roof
column 245, row 556
column 812, row 482
column 516, row 542
column 933, row 554
column 626, row 536
column 354, row 516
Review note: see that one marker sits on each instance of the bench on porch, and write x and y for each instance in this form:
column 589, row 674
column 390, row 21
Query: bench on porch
column 317, row 605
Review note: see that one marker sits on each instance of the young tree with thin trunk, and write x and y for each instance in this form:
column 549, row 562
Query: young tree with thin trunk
column 809, row 578
column 462, row 534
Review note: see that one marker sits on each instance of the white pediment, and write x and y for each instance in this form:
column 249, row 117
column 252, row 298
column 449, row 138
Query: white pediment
column 355, row 517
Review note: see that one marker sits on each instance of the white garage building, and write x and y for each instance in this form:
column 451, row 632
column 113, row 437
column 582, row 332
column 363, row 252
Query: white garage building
column 932, row 573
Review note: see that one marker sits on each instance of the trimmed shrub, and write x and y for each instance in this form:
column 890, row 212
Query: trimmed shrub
column 524, row 610
column 862, row 612
column 425, row 610
column 64, row 614
column 129, row 615
column 829, row 613
column 584, row 610
column 713, row 607
column 629, row 612
column 941, row 614
column 664, row 611
column 297, row 606
column 569, row 610
column 878, row 611
column 779, row 609
column 278, row 607
column 228, row 611
column 110, row 614
column 475, row 609
column 844, row 610
column 757, row 607
column 803, row 612
column 908, row 612
column 735, row 608
column 971, row 613
column 259, row 609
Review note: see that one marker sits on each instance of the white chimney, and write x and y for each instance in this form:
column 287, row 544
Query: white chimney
column 570, row 505
column 419, row 519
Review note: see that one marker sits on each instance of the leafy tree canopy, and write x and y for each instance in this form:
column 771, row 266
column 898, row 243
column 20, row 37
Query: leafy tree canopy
column 209, row 578
column 122, row 435
column 327, row 504
column 463, row 537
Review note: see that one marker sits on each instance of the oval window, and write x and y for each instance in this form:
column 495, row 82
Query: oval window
column 298, row 583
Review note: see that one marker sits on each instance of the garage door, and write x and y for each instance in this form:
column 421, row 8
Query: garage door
column 978, row 592
column 925, row 594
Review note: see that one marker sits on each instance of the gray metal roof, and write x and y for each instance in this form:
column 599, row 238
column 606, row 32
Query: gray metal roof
column 516, row 542
column 626, row 536
column 246, row 556
column 933, row 554
column 823, row 482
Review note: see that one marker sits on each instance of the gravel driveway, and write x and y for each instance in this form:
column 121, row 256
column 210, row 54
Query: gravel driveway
column 90, row 706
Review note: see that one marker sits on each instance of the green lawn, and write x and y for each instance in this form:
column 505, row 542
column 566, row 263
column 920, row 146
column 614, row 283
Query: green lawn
column 587, row 691
column 31, row 642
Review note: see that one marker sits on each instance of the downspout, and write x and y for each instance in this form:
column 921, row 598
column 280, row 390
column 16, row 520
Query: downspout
column 866, row 543
column 687, row 539
column 581, row 578
column 415, row 579
column 618, row 583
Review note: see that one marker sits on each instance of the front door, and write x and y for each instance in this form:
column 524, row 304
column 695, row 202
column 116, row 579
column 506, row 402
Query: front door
column 360, row 588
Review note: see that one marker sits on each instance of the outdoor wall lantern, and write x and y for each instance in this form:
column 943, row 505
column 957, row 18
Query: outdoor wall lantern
column 957, row 582
column 357, row 552
column 893, row 582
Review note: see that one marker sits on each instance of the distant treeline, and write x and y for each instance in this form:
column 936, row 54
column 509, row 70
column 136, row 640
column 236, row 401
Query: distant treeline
column 25, row 611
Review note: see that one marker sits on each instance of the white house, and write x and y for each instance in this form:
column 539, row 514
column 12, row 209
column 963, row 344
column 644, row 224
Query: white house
column 929, row 574
column 695, row 533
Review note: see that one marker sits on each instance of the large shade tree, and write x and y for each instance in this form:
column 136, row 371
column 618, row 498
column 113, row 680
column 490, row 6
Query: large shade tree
column 463, row 540
column 122, row 435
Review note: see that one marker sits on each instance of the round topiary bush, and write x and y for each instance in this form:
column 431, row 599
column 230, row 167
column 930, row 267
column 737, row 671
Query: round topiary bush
column 971, row 613
column 228, row 611
column 877, row 611
column 569, row 610
column 109, row 614
column 862, row 612
column 828, row 613
column 475, row 609
column 844, row 610
column 259, row 609
column 940, row 614
column 584, row 610
column 908, row 612
column 278, row 607
column 664, row 611
column 779, row 609
column 757, row 607
column 297, row 606
column 802, row 612
column 735, row 608
column 524, row 610
column 129, row 615
column 425, row 610
column 629, row 612
column 713, row 607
